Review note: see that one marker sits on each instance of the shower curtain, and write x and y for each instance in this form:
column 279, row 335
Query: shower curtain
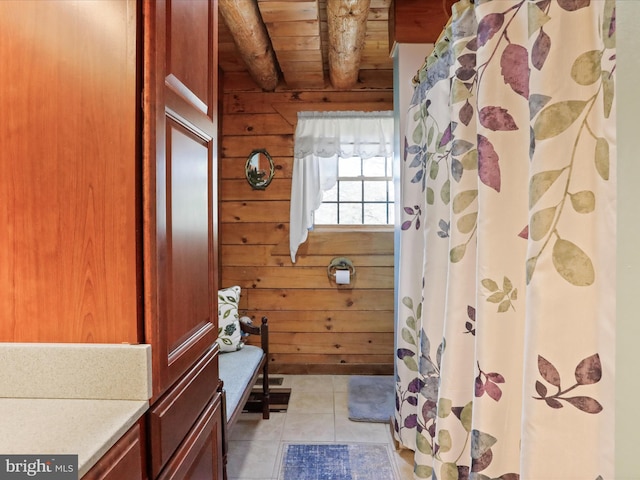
column 506, row 293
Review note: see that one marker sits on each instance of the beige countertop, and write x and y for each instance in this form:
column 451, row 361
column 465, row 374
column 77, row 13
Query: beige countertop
column 87, row 428
column 74, row 399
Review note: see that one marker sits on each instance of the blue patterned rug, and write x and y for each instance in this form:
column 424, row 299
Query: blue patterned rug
column 336, row 462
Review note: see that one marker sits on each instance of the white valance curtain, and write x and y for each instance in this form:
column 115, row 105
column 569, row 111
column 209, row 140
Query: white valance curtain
column 320, row 139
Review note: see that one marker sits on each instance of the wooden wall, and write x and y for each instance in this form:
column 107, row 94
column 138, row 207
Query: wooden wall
column 315, row 326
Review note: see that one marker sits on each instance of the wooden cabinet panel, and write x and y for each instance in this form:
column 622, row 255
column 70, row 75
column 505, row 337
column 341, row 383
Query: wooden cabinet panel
column 69, row 172
column 124, row 461
column 200, row 456
column 172, row 417
column 188, row 210
column 181, row 255
column 180, row 184
column 189, row 56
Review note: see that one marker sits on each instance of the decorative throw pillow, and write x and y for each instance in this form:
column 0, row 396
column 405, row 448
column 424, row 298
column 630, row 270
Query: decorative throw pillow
column 229, row 333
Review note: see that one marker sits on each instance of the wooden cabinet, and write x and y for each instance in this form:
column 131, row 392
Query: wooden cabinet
column 173, row 416
column 180, row 184
column 180, row 221
column 69, row 172
column 124, row 461
column 198, row 457
column 108, row 196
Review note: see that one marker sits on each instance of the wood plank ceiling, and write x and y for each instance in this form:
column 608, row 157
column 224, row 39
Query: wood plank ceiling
column 315, row 44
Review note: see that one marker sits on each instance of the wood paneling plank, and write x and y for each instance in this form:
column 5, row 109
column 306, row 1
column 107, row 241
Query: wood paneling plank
column 306, row 28
column 386, row 4
column 278, row 11
column 304, row 277
column 256, row 124
column 276, row 211
column 261, row 102
column 288, row 56
column 321, row 299
column 306, row 358
column 233, row 167
column 238, row 146
column 305, row 79
column 334, row 343
column 301, row 68
column 260, row 255
column 324, row 241
column 290, row 111
column 296, row 43
column 324, row 321
column 239, row 81
column 333, row 369
column 251, row 233
column 234, row 190
column 376, row 77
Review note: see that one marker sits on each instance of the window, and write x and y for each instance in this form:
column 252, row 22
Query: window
column 362, row 195
column 341, row 171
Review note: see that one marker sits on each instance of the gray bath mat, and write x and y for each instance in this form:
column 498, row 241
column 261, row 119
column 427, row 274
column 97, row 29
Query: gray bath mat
column 371, row 398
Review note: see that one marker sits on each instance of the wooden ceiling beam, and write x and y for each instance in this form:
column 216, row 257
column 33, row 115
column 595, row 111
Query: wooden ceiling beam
column 347, row 25
column 249, row 33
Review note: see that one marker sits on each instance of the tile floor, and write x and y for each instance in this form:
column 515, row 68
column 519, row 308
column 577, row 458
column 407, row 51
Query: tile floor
column 317, row 412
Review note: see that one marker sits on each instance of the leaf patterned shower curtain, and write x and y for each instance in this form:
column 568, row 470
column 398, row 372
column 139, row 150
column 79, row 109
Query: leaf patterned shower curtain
column 506, row 312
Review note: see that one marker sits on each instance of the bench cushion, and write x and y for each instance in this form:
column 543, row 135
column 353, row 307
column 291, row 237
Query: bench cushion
column 236, row 370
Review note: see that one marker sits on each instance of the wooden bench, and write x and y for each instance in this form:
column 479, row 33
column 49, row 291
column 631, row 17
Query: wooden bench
column 239, row 372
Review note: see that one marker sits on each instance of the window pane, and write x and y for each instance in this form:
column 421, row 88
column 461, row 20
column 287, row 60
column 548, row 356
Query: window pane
column 349, row 167
column 327, row 214
column 391, row 214
column 331, row 195
column 375, row 213
column 350, row 214
column 374, row 167
column 350, row 191
column 362, row 185
column 375, row 191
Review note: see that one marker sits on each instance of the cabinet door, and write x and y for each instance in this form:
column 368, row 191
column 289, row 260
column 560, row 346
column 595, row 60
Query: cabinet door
column 173, row 416
column 200, row 456
column 180, row 184
column 124, row 461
